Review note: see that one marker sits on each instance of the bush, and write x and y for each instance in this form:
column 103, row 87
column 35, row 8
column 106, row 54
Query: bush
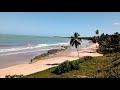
column 21, row 75
column 7, row 76
column 87, row 58
column 66, row 67
column 94, row 39
column 117, row 49
column 75, row 65
column 105, row 51
column 14, row 76
column 63, row 68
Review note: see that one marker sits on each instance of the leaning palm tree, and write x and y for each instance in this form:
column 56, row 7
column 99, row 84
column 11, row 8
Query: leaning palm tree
column 76, row 40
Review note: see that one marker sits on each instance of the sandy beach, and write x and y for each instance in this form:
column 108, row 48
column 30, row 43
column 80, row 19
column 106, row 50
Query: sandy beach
column 40, row 65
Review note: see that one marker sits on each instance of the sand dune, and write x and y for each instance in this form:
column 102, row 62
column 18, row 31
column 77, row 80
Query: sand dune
column 26, row 69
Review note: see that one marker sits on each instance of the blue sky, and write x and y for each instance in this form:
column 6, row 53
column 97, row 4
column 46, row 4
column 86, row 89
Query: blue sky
column 59, row 23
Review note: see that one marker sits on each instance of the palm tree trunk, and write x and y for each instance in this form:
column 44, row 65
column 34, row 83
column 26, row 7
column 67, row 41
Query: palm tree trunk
column 96, row 40
column 78, row 53
column 96, row 44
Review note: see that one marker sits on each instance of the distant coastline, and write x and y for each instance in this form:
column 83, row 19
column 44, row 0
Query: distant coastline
column 86, row 38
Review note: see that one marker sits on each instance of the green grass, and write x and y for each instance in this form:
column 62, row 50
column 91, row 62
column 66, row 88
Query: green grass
column 98, row 67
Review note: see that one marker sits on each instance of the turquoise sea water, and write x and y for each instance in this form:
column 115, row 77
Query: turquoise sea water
column 18, row 49
column 15, row 44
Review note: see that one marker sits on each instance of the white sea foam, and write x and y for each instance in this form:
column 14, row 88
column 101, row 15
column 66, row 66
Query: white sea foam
column 30, row 47
column 23, row 52
column 22, row 48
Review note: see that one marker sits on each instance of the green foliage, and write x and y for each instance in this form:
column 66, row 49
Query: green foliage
column 104, row 51
column 75, row 40
column 94, row 39
column 109, row 43
column 7, row 76
column 13, row 76
column 75, row 65
column 66, row 67
column 63, row 68
column 88, row 58
column 97, row 32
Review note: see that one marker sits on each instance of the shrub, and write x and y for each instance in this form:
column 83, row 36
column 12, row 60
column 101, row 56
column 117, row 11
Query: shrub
column 105, row 51
column 13, row 76
column 109, row 55
column 7, row 76
column 63, row 68
column 21, row 75
column 87, row 58
column 66, row 67
column 94, row 39
column 75, row 65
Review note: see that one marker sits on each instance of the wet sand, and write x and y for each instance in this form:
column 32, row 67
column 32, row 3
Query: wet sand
column 15, row 59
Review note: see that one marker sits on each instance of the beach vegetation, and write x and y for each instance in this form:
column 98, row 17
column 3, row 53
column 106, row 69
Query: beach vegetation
column 109, row 43
column 94, row 39
column 107, row 66
column 66, row 67
column 88, row 57
column 14, row 76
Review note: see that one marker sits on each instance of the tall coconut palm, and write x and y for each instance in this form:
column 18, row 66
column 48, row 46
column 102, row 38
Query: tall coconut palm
column 97, row 34
column 76, row 40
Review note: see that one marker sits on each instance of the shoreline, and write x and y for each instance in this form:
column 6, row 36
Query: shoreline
column 49, row 54
column 26, row 57
column 41, row 65
column 22, row 58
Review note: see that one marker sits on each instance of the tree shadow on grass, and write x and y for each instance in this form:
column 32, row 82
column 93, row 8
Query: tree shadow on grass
column 53, row 64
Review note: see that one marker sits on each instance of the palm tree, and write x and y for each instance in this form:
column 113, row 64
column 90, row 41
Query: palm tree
column 76, row 40
column 97, row 34
column 101, row 40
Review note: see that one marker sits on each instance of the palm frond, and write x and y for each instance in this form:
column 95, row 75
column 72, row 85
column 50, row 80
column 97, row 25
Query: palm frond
column 75, row 40
column 78, row 43
column 71, row 41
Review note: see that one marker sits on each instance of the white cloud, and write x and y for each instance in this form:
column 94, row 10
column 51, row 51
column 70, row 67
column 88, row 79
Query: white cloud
column 116, row 23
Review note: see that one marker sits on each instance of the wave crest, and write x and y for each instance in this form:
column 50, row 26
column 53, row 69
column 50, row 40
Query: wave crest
column 31, row 47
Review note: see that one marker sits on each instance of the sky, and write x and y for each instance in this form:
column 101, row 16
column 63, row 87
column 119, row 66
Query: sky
column 59, row 23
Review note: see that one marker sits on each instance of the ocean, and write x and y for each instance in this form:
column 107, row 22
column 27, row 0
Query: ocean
column 16, row 49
